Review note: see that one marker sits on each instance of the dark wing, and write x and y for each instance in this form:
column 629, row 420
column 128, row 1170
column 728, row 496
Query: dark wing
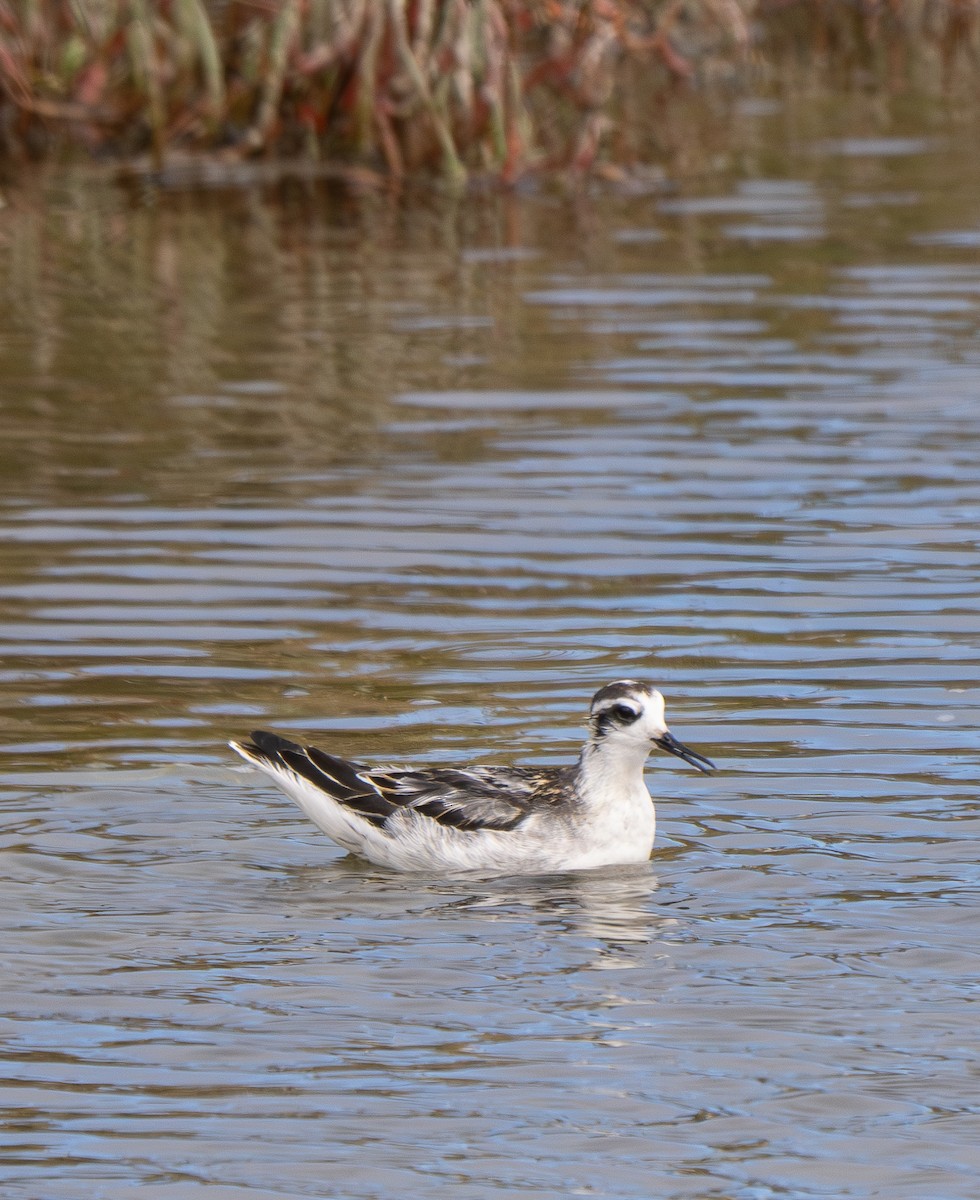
column 474, row 798
column 335, row 776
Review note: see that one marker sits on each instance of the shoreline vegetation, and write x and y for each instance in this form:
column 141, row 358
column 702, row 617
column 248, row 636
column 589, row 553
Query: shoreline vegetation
column 494, row 89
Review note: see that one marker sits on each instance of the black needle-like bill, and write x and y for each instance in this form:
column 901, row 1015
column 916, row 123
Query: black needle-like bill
column 669, row 743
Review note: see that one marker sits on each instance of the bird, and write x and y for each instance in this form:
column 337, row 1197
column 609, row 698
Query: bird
column 505, row 820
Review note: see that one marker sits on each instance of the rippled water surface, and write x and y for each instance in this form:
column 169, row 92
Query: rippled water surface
column 414, row 481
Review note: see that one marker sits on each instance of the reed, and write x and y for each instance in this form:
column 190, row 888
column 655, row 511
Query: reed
column 498, row 87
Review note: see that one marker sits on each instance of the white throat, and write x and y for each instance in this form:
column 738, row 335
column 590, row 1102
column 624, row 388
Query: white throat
column 613, row 768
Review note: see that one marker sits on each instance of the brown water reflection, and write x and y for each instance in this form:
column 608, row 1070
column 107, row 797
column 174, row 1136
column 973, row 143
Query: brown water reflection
column 415, row 481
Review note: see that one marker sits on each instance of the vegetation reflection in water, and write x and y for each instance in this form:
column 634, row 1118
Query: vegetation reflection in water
column 415, row 498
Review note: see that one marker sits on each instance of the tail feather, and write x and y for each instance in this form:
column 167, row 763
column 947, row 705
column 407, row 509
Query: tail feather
column 272, row 744
column 333, row 777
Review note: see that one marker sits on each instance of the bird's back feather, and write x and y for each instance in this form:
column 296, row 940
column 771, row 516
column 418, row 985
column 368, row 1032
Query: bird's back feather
column 492, row 798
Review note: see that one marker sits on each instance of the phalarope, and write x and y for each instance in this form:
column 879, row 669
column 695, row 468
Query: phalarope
column 507, row 820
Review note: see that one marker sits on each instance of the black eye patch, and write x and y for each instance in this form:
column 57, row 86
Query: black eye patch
column 623, row 714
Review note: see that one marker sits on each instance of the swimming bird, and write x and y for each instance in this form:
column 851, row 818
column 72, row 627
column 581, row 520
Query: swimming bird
column 505, row 820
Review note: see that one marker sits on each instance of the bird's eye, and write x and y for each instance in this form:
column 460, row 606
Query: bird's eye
column 624, row 714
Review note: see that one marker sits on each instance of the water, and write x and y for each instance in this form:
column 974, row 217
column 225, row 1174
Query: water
column 415, row 482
